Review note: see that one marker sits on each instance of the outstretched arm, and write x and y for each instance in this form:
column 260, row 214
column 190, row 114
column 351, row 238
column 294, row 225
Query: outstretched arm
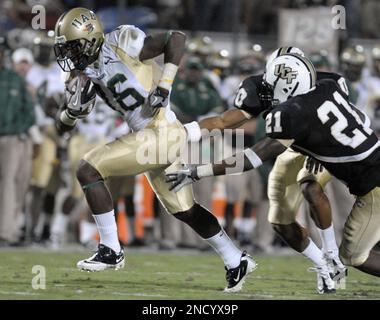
column 250, row 158
column 266, row 149
column 230, row 119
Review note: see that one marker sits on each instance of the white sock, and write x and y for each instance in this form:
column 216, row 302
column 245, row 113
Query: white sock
column 328, row 239
column 59, row 224
column 314, row 254
column 226, row 249
column 108, row 230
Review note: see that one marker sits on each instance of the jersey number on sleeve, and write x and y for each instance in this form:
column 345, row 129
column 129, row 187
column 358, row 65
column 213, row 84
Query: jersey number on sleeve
column 240, row 97
column 341, row 124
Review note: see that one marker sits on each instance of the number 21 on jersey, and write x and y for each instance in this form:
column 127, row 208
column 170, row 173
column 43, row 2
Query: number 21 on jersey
column 329, row 108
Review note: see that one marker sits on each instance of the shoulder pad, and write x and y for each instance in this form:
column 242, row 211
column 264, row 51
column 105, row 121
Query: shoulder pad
column 129, row 38
column 247, row 96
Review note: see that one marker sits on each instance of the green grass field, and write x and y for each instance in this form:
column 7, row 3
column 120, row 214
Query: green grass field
column 156, row 275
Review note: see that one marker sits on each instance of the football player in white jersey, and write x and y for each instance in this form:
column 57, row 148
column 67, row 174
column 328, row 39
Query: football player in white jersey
column 122, row 71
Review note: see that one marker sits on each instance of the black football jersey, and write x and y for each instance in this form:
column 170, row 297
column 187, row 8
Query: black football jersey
column 247, row 96
column 326, row 126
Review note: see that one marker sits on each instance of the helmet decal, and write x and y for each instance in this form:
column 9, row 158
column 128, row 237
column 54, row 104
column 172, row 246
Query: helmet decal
column 286, row 73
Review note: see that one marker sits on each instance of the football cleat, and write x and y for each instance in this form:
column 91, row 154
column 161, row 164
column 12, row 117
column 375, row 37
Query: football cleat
column 337, row 269
column 236, row 276
column 104, row 258
column 325, row 284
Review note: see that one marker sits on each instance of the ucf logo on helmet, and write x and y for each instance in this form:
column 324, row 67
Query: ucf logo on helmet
column 285, row 73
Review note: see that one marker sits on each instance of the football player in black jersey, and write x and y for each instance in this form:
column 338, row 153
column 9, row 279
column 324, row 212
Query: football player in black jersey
column 289, row 179
column 317, row 119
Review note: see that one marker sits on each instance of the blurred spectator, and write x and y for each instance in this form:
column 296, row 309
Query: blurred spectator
column 201, row 47
column 352, row 62
column 320, row 60
column 373, row 86
column 219, row 66
column 16, row 118
column 192, row 96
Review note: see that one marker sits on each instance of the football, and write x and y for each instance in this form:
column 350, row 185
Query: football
column 80, row 95
column 76, row 78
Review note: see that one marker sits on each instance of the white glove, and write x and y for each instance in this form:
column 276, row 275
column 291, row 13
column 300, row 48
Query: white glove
column 194, row 132
column 80, row 97
column 179, row 179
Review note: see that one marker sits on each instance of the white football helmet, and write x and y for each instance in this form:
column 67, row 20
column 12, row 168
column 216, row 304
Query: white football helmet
column 290, row 75
column 283, row 50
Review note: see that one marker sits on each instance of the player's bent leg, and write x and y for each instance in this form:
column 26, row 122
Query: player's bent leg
column 298, row 239
column 284, row 204
column 238, row 264
column 109, row 254
column 96, row 192
column 320, row 208
column 361, row 233
column 320, row 211
column 182, row 205
column 293, row 234
column 117, row 158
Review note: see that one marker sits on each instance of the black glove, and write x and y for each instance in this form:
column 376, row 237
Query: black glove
column 313, row 166
column 159, row 98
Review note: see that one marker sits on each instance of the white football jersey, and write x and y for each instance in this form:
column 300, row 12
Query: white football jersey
column 123, row 81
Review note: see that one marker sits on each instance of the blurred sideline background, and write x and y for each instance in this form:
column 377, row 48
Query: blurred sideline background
column 41, row 204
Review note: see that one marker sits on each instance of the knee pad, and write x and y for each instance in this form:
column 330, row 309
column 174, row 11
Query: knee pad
column 276, row 188
column 279, row 211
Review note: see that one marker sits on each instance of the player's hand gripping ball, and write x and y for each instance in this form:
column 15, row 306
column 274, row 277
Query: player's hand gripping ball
column 80, row 96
